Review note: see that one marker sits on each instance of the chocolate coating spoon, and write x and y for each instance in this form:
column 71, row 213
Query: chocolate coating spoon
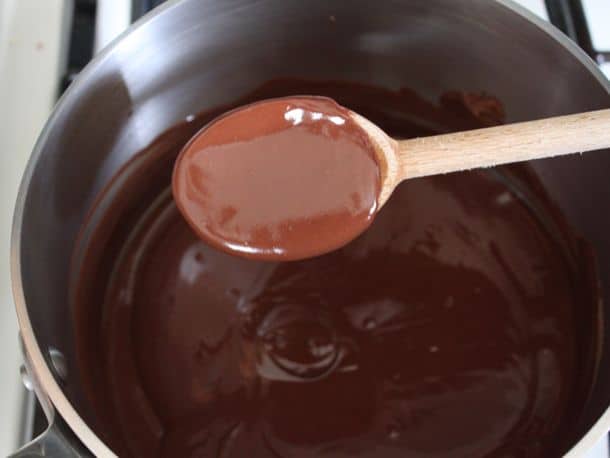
column 296, row 177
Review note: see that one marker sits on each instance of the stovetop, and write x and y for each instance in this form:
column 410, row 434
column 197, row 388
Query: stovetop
column 94, row 23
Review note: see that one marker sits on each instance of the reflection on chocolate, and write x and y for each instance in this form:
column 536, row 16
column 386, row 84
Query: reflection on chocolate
column 282, row 179
column 456, row 325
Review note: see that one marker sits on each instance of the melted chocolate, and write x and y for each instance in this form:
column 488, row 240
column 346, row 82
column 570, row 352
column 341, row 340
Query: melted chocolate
column 282, row 179
column 451, row 327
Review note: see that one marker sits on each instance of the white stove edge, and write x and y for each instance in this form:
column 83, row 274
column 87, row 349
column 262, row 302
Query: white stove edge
column 33, row 37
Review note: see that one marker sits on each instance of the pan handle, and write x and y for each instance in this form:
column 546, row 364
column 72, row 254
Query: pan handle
column 57, row 441
column 53, row 443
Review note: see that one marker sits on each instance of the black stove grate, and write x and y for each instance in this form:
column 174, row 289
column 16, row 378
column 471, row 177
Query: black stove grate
column 141, row 7
column 81, row 40
column 569, row 17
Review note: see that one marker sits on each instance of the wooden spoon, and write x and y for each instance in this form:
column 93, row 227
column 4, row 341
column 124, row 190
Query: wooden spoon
column 295, row 177
column 403, row 159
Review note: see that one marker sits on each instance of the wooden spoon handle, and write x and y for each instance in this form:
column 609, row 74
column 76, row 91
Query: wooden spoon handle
column 504, row 144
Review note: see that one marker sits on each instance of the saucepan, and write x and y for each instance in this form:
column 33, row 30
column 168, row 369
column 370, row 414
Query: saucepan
column 191, row 55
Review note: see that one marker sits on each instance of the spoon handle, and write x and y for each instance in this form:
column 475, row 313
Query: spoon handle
column 491, row 146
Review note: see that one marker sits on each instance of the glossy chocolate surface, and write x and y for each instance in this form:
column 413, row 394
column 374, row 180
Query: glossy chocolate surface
column 459, row 324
